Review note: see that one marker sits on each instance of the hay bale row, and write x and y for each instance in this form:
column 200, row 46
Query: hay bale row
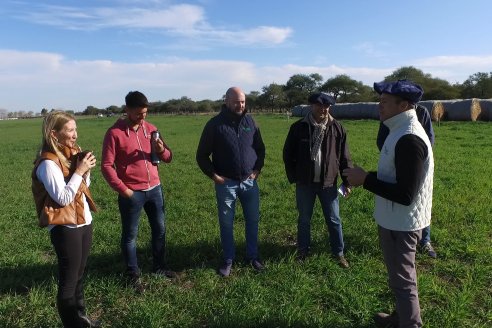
column 449, row 110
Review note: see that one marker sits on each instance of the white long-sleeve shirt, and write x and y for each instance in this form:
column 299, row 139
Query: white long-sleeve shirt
column 51, row 176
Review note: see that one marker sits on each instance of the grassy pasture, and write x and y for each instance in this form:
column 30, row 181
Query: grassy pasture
column 455, row 290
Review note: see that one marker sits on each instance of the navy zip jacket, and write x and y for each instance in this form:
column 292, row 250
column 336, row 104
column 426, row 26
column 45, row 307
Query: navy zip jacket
column 230, row 146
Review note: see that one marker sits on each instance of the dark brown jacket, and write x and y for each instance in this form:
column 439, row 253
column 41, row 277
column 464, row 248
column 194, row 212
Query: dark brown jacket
column 335, row 155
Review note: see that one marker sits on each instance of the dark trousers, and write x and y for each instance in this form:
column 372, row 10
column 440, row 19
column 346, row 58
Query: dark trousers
column 72, row 247
column 399, row 249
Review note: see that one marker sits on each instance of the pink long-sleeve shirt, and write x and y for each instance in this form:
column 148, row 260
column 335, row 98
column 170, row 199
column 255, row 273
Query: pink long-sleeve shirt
column 126, row 154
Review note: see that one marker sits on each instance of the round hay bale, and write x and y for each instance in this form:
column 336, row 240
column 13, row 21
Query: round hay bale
column 462, row 109
column 486, row 106
column 301, row 110
column 435, row 108
column 355, row 111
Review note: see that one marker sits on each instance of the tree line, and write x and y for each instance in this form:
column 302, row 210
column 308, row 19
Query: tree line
column 283, row 97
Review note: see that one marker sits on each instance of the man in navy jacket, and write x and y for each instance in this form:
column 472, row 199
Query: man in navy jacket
column 231, row 152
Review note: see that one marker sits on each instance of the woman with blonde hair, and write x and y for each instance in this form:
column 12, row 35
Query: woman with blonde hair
column 60, row 186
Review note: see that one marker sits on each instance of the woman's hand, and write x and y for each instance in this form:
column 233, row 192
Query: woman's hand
column 84, row 164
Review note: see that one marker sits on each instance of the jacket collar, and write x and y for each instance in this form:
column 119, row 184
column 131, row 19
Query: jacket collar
column 400, row 119
column 232, row 116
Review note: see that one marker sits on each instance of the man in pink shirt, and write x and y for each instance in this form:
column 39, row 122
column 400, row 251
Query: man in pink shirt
column 127, row 167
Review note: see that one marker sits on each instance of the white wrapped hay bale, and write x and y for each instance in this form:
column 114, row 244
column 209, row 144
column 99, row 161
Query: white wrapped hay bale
column 435, row 109
column 301, row 110
column 355, row 111
column 461, row 109
column 486, row 106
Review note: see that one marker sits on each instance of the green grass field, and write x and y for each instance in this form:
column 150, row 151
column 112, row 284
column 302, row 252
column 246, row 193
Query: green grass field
column 455, row 290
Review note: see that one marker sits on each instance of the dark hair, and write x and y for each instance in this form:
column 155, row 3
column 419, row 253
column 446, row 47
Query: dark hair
column 136, row 99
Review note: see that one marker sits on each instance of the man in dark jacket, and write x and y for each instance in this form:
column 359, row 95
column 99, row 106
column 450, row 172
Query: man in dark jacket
column 231, row 152
column 315, row 151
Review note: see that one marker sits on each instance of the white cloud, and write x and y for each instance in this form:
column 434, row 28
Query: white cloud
column 375, row 50
column 183, row 20
column 454, row 68
column 36, row 80
column 267, row 34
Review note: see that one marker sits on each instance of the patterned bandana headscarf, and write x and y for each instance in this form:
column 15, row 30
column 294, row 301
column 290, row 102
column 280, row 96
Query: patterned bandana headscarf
column 317, row 137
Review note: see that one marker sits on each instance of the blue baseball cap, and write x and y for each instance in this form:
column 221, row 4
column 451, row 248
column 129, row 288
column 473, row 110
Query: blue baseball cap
column 321, row 98
column 402, row 88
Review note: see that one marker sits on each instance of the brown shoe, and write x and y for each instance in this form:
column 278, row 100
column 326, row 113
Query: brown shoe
column 134, row 282
column 342, row 261
column 385, row 320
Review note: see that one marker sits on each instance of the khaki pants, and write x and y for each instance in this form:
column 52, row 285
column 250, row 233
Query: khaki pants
column 399, row 249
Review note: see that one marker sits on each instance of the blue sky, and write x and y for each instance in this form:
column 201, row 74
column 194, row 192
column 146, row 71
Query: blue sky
column 68, row 54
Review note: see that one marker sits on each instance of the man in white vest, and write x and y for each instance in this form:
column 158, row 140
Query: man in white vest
column 403, row 188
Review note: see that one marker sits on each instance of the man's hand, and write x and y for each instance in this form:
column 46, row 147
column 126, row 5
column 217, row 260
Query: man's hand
column 218, row 179
column 254, row 174
column 355, row 176
column 159, row 145
column 127, row 193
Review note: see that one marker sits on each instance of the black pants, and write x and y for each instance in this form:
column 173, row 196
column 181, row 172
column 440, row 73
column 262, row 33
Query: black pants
column 72, row 247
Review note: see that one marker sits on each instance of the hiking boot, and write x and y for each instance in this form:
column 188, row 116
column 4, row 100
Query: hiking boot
column 164, row 273
column 257, row 265
column 134, row 281
column 342, row 262
column 225, row 269
column 301, row 256
column 385, row 320
column 429, row 250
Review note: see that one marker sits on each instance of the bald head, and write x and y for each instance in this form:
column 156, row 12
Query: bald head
column 235, row 100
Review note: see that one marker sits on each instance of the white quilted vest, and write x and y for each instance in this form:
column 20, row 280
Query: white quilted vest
column 417, row 215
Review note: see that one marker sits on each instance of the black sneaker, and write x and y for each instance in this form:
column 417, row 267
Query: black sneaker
column 164, row 273
column 429, row 250
column 257, row 265
column 301, row 256
column 225, row 269
column 385, row 320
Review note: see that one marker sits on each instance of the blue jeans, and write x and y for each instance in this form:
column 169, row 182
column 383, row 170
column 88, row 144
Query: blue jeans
column 305, row 197
column 248, row 193
column 152, row 202
column 426, row 235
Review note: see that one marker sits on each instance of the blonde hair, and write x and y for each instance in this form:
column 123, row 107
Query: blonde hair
column 54, row 120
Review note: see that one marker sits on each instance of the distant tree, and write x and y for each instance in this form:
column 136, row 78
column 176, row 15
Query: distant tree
column 273, row 97
column 206, row 106
column 299, row 86
column 252, row 101
column 44, row 111
column 434, row 88
column 113, row 109
column 91, row 110
column 478, row 85
column 345, row 89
